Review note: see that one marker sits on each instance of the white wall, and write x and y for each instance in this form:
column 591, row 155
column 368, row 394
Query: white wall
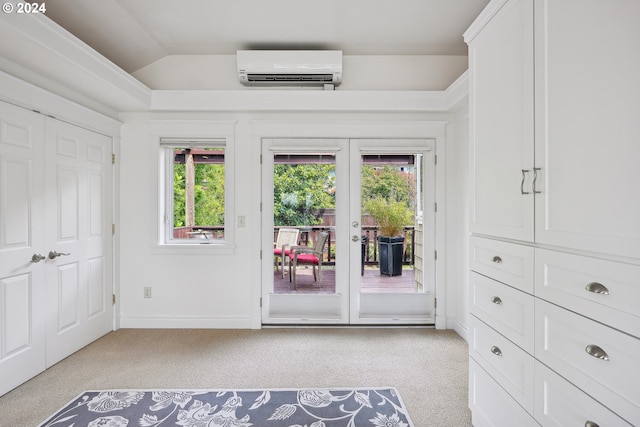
column 360, row 72
column 192, row 289
column 457, row 238
column 222, row 290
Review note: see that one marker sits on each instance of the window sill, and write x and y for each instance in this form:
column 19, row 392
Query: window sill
column 193, row 249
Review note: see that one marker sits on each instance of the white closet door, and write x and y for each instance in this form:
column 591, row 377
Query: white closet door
column 78, row 193
column 22, row 290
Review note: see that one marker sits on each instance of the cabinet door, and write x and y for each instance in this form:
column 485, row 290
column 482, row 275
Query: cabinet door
column 587, row 127
column 501, row 125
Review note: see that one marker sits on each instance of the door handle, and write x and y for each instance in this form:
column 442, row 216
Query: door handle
column 37, row 258
column 524, row 172
column 535, row 178
column 55, row 254
column 355, row 238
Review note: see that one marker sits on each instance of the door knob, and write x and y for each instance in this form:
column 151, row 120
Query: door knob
column 355, row 238
column 55, row 254
column 37, row 258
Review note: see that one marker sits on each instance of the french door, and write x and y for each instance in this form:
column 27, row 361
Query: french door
column 55, row 242
column 321, row 187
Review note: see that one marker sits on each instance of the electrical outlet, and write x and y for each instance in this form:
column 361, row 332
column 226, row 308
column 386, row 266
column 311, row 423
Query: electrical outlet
column 241, row 220
column 147, row 291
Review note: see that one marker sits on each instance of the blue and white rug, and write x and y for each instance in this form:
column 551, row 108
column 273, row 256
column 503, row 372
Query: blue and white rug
column 362, row 407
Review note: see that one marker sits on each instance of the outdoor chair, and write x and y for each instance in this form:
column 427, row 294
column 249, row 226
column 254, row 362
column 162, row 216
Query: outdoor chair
column 306, row 255
column 287, row 237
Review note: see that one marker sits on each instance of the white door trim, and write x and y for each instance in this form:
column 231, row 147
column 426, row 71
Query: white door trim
column 261, row 129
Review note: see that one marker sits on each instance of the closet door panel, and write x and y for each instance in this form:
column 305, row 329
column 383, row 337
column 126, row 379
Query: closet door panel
column 501, row 124
column 587, row 127
column 78, row 184
column 22, row 281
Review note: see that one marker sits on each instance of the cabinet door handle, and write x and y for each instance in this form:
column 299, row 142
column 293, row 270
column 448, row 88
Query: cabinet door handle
column 591, row 424
column 497, row 259
column 496, row 350
column 596, row 351
column 535, row 178
column 524, row 171
column 496, row 300
column 597, row 288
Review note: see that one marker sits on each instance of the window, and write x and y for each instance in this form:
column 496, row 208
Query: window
column 195, row 169
column 195, row 187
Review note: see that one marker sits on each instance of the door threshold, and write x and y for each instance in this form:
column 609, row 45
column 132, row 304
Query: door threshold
column 328, row 326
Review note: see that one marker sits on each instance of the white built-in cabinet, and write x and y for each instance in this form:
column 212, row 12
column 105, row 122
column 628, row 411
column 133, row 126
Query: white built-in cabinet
column 563, row 174
column 554, row 332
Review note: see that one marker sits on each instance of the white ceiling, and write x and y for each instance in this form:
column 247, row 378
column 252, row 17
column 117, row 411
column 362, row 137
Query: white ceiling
column 135, row 33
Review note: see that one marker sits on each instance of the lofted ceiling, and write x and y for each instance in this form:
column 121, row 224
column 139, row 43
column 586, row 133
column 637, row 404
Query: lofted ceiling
column 135, row 33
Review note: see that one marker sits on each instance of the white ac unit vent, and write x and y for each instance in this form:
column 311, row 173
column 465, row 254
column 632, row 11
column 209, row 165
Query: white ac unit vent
column 289, row 67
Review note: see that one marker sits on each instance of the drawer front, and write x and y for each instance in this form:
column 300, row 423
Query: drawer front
column 508, row 310
column 490, row 405
column 558, row 403
column 507, row 363
column 573, row 346
column 606, row 291
column 505, row 262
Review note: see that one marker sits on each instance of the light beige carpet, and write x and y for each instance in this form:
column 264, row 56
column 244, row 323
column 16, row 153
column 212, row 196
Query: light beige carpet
column 428, row 367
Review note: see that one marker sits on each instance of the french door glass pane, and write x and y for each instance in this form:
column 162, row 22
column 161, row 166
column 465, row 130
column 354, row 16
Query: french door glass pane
column 391, row 206
column 304, row 199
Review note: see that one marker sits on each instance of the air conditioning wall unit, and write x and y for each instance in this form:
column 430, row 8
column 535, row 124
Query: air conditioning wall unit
column 289, row 67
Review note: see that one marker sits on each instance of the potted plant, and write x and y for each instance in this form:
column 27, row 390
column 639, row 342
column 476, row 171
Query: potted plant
column 391, row 217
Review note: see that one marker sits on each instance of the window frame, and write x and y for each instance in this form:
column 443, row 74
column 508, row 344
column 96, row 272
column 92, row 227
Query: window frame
column 197, row 134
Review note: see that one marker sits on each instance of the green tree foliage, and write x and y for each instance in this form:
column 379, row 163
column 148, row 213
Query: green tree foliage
column 387, row 183
column 299, row 190
column 208, row 195
column 179, row 194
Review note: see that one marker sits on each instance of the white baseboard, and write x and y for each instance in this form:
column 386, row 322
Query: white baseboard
column 462, row 330
column 185, row 322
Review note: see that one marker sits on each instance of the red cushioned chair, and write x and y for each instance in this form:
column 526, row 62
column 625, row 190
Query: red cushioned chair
column 306, row 255
column 287, row 237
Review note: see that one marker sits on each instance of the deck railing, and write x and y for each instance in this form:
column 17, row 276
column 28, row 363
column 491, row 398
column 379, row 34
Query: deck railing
column 369, row 239
column 309, row 234
column 199, row 232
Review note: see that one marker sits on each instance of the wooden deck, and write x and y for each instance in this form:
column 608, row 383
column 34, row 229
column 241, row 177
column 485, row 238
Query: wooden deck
column 372, row 282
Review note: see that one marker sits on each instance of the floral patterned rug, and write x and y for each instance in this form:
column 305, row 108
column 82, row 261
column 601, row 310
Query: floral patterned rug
column 370, row 407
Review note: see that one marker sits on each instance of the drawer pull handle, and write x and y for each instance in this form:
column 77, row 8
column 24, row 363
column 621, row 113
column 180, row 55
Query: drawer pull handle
column 496, row 300
column 497, row 259
column 597, row 288
column 596, row 351
column 591, row 424
column 496, row 350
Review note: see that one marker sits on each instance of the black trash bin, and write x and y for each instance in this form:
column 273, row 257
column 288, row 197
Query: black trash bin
column 365, row 245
